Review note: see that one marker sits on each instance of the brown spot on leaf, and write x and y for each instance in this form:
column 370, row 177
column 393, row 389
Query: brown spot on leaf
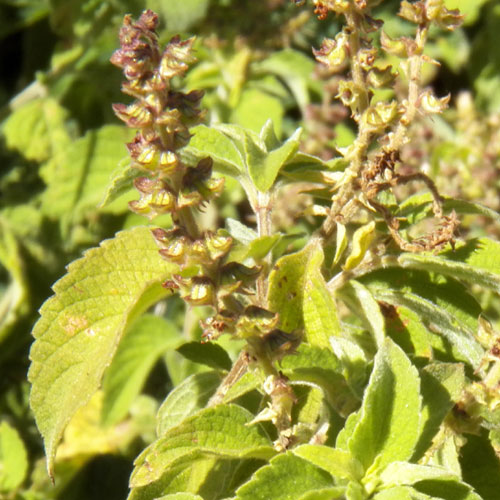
column 74, row 324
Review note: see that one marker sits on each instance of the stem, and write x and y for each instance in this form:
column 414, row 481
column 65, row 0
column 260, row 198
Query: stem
column 264, row 228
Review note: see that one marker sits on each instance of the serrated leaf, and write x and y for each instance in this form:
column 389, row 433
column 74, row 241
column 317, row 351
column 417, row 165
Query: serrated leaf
column 319, row 308
column 186, row 399
column 82, row 324
column 389, row 423
column 13, row 458
column 209, row 354
column 264, row 166
column 210, row 141
column 121, row 182
column 361, row 241
column 222, row 431
column 140, row 348
column 287, row 477
column 404, row 473
column 338, row 463
column 38, row 130
column 443, row 305
column 77, row 178
column 286, row 287
column 477, row 262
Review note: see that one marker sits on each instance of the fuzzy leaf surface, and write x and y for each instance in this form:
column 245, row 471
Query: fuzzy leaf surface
column 319, row 308
column 287, row 477
column 82, row 324
column 389, row 422
column 220, row 431
column 187, row 398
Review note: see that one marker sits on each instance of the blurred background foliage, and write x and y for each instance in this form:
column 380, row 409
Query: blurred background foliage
column 60, row 144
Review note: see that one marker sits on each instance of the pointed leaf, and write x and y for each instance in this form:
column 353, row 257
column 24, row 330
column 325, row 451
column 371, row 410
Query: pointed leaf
column 209, row 354
column 140, row 348
column 320, row 310
column 81, row 325
column 121, row 182
column 263, row 166
column 389, row 423
column 341, row 242
column 239, row 231
column 339, row 463
column 209, row 141
column 287, row 477
column 361, row 241
column 186, row 399
column 221, row 431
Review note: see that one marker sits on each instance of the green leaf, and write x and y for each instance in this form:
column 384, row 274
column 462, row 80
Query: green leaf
column 447, row 490
column 478, row 262
column 287, row 477
column 264, row 166
column 121, row 182
column 442, row 304
column 319, row 308
column 38, row 130
column 442, row 387
column 140, row 348
column 294, row 67
column 184, row 400
column 222, row 431
column 255, row 108
column 324, row 494
column 366, row 305
column 210, row 141
column 240, row 232
column 389, row 422
column 339, row 463
column 209, row 354
column 180, row 16
column 401, row 493
column 404, row 473
column 342, row 242
column 13, row 458
column 82, row 324
column 286, row 286
column 78, row 177
column 361, row 241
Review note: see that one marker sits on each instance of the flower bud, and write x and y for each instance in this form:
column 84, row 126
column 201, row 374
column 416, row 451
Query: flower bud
column 381, row 115
column 381, row 77
column 333, row 53
column 432, row 104
column 201, row 293
column 218, row 244
column 401, row 47
column 413, row 12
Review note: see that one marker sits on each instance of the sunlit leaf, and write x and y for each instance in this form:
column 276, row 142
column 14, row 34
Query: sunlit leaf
column 13, row 458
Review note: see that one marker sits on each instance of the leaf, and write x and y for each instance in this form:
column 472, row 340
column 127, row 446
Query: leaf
column 319, row 308
column 365, row 304
column 78, row 177
column 342, row 242
column 139, row 350
column 401, row 493
column 447, row 490
column 264, row 166
column 184, row 400
column 361, row 241
column 286, row 286
column 442, row 387
column 287, row 477
column 478, row 262
column 240, row 232
column 13, row 458
column 404, row 473
column 180, row 16
column 294, row 67
column 443, row 305
column 338, row 463
column 389, row 422
column 222, row 431
column 82, row 324
column 180, row 496
column 209, row 354
column 216, row 144
column 255, row 108
column 121, row 182
column 324, row 494
column 38, row 130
